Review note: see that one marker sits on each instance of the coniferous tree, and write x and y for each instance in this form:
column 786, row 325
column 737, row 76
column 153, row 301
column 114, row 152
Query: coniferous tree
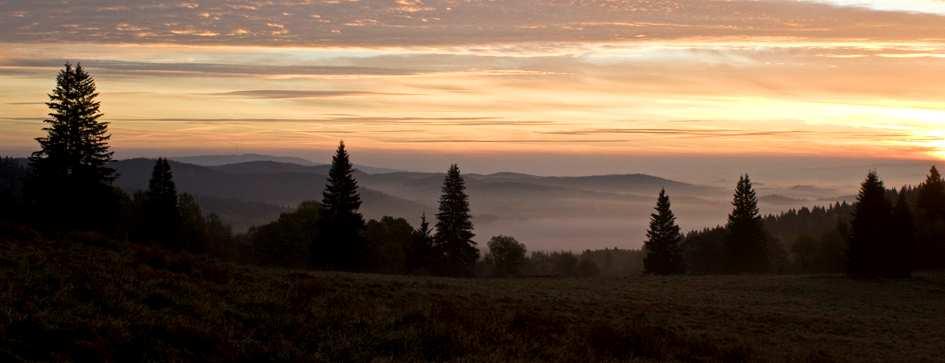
column 341, row 243
column 930, row 218
column 420, row 252
column 745, row 241
column 71, row 177
column 161, row 212
column 455, row 250
column 819, row 242
column 900, row 252
column 424, row 230
column 663, row 246
column 932, row 193
column 870, row 230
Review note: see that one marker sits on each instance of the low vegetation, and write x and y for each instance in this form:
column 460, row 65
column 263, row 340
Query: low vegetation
column 82, row 298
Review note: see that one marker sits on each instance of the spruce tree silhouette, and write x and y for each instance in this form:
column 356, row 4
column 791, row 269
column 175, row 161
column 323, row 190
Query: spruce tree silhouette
column 663, row 245
column 420, row 251
column 900, row 251
column 745, row 239
column 455, row 250
column 870, row 230
column 424, row 230
column 71, row 178
column 930, row 220
column 341, row 244
column 932, row 193
column 161, row 212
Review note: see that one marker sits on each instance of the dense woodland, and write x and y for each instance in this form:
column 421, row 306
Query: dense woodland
column 66, row 187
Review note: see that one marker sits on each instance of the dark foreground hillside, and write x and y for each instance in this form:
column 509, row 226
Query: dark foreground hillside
column 89, row 300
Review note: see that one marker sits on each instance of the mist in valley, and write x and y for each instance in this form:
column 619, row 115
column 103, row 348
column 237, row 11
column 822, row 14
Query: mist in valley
column 548, row 213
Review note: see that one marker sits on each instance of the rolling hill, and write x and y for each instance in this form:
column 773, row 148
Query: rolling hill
column 229, row 159
column 544, row 212
column 215, row 160
column 268, row 188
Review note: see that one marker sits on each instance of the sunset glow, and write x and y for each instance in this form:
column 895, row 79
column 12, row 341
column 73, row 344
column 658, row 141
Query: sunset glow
column 835, row 78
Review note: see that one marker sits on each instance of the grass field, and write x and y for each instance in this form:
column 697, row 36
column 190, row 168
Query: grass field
column 95, row 301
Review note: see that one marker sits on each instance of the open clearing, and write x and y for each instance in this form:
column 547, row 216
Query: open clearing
column 132, row 303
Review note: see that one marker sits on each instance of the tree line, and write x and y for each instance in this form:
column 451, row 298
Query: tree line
column 67, row 186
column 886, row 233
column 333, row 235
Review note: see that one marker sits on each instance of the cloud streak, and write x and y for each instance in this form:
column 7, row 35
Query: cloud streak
column 291, row 94
column 595, row 76
column 219, row 69
column 345, row 120
column 679, row 132
column 740, row 133
column 504, row 141
column 447, row 22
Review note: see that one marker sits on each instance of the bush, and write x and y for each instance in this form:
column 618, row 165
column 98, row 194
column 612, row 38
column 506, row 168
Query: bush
column 506, row 256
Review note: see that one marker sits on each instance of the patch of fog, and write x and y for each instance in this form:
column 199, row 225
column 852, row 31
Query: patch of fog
column 590, row 228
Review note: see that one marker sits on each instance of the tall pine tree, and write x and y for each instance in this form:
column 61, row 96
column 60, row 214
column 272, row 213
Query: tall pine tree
column 930, row 220
column 746, row 240
column 932, row 193
column 455, row 250
column 901, row 245
column 341, row 244
column 161, row 212
column 663, row 246
column 71, row 177
column 870, row 230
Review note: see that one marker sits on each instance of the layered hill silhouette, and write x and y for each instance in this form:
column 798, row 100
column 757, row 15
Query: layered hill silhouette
column 247, row 193
column 549, row 212
column 253, row 193
column 228, row 159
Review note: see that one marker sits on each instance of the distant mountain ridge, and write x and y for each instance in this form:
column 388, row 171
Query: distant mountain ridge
column 248, row 192
column 223, row 159
column 262, row 159
column 270, row 167
column 549, row 213
column 256, row 191
column 615, row 183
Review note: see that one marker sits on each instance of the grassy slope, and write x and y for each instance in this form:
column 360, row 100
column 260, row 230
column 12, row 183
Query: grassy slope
column 91, row 301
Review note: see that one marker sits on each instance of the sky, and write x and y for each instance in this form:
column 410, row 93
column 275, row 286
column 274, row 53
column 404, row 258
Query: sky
column 544, row 86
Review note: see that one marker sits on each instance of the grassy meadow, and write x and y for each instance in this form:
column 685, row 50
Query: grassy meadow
column 89, row 300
